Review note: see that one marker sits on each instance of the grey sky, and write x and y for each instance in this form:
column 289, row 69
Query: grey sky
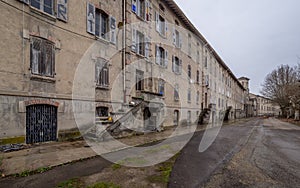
column 252, row 37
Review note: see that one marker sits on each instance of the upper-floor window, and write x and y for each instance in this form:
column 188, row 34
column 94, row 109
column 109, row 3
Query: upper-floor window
column 101, row 73
column 189, row 45
column 161, row 26
column 46, row 6
column 176, row 92
column 141, row 8
column 177, row 41
column 198, row 77
column 189, row 71
column 139, row 80
column 161, row 56
column 161, row 7
column 102, row 24
column 161, row 86
column 197, row 97
column 42, row 57
column 140, row 43
column 189, row 96
column 176, row 65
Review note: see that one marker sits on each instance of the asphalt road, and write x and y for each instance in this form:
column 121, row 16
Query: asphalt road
column 258, row 153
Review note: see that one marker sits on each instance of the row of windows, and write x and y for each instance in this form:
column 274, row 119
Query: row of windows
column 58, row 8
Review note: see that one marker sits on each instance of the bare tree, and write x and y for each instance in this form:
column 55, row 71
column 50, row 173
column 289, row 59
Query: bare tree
column 281, row 85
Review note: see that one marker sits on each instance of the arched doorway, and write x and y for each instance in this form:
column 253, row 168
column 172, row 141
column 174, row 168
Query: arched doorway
column 41, row 123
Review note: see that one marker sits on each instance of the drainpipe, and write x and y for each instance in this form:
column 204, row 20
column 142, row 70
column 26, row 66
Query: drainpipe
column 124, row 50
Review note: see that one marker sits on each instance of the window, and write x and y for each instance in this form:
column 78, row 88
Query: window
column 176, row 92
column 142, row 9
column 189, row 45
column 189, row 96
column 161, row 26
column 177, row 65
column 102, row 73
column 198, row 77
column 177, row 41
column 189, row 117
column 139, row 80
column 161, row 56
column 161, row 7
column 140, row 43
column 101, row 24
column 42, row 57
column 161, row 87
column 102, row 111
column 176, row 117
column 197, row 97
column 46, row 6
column 189, row 71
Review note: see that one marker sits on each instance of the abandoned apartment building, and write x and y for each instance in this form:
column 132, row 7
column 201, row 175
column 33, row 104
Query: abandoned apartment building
column 141, row 54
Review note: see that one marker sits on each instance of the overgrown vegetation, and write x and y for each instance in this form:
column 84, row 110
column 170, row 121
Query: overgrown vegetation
column 164, row 170
column 116, row 166
column 29, row 173
column 71, row 183
column 104, row 185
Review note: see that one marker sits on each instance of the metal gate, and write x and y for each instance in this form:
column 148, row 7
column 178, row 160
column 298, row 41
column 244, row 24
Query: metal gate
column 41, row 123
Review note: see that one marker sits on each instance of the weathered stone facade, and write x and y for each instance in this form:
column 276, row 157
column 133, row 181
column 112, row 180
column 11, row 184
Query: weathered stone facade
column 50, row 57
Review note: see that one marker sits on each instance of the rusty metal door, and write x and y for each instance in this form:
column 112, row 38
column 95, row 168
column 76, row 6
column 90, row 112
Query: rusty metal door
column 41, row 123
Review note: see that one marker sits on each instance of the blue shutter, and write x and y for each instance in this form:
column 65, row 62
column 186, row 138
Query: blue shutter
column 62, row 10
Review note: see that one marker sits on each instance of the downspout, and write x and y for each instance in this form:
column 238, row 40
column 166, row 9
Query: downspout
column 124, row 51
column 23, row 41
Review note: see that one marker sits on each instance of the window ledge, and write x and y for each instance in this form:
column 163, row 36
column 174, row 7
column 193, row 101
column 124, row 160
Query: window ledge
column 42, row 78
column 100, row 39
column 102, row 87
column 42, row 13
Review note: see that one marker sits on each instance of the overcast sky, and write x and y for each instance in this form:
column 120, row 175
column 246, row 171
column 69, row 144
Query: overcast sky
column 252, row 37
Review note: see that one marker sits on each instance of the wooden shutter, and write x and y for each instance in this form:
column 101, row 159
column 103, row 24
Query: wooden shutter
column 157, row 54
column 90, row 17
column 180, row 66
column 134, row 6
column 166, row 58
column 173, row 64
column 112, row 23
column 180, row 40
column 134, row 45
column 174, row 36
column 62, row 10
column 147, row 47
column 157, row 21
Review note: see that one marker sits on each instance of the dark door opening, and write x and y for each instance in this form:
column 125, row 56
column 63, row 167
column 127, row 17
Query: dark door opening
column 41, row 123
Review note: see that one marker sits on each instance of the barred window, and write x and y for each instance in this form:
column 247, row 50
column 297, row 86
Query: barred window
column 42, row 57
column 102, row 73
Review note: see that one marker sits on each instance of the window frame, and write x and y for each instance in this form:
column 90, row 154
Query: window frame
column 39, row 68
column 42, row 5
column 102, row 74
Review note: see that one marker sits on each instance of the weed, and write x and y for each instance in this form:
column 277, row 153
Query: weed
column 71, row 183
column 104, row 185
column 116, row 166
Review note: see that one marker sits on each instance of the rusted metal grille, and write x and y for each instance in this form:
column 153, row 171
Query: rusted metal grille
column 41, row 123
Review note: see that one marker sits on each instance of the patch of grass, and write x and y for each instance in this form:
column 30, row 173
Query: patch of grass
column 12, row 140
column 158, row 149
column 116, row 166
column 164, row 170
column 29, row 173
column 104, row 185
column 71, row 183
column 133, row 160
